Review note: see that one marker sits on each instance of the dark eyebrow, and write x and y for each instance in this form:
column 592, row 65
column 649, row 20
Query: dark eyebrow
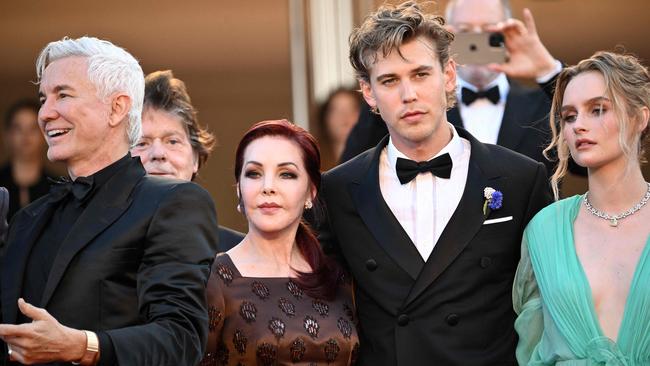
column 422, row 68
column 593, row 100
column 253, row 162
column 288, row 163
column 414, row 71
column 280, row 165
column 385, row 76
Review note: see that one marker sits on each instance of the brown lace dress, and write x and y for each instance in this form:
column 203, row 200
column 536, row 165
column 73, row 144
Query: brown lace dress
column 271, row 321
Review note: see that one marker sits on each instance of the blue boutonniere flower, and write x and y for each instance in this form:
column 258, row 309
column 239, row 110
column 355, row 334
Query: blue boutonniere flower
column 493, row 200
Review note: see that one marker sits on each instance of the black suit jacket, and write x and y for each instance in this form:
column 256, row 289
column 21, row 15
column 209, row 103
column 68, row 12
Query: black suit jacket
column 228, row 238
column 524, row 127
column 134, row 265
column 455, row 309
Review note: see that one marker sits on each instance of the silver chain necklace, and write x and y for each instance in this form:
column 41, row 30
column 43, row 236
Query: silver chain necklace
column 613, row 220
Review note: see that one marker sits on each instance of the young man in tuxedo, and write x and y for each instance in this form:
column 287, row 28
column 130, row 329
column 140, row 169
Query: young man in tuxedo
column 433, row 259
column 492, row 107
column 110, row 267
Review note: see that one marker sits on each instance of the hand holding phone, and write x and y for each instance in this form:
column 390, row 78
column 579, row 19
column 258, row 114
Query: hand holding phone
column 478, row 48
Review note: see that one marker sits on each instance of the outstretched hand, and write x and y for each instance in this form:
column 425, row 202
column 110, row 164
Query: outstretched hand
column 43, row 340
column 528, row 57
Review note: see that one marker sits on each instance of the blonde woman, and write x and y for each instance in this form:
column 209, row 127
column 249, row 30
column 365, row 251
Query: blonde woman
column 582, row 290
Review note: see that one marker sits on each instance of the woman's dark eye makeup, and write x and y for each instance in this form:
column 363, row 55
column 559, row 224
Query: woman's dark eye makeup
column 289, row 175
column 251, row 174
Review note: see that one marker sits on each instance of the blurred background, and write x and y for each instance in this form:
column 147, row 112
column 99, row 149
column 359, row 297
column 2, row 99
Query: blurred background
column 247, row 61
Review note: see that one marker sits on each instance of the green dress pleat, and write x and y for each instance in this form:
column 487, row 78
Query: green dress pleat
column 557, row 322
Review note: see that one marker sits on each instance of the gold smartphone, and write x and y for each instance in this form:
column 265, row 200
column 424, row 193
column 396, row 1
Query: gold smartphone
column 478, row 48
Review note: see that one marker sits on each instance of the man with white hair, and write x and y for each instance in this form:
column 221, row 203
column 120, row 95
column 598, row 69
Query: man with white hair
column 110, row 267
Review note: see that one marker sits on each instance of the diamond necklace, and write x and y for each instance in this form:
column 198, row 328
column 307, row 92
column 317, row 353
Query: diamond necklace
column 613, row 220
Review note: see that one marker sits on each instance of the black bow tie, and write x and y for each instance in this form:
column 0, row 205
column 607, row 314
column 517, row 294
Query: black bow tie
column 80, row 188
column 409, row 169
column 468, row 96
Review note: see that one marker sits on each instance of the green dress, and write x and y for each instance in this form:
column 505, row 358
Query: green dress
column 557, row 322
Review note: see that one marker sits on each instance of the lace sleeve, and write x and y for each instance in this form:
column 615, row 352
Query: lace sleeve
column 528, row 306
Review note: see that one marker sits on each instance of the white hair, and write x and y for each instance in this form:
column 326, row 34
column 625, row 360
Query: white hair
column 110, row 68
column 449, row 10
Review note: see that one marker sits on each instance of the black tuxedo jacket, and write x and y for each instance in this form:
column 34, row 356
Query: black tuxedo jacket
column 134, row 265
column 455, row 309
column 228, row 238
column 524, row 127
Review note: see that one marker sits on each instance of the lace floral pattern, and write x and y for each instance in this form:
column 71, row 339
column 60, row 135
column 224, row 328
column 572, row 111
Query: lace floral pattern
column 271, row 321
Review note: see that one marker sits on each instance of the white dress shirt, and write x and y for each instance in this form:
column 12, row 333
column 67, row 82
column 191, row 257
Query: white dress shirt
column 482, row 118
column 424, row 205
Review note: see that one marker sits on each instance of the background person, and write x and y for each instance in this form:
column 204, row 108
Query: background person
column 173, row 144
column 4, row 207
column 276, row 298
column 338, row 115
column 24, row 175
column 595, row 309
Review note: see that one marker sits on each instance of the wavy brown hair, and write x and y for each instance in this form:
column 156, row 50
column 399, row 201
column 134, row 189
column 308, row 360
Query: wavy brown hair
column 387, row 29
column 627, row 85
column 166, row 93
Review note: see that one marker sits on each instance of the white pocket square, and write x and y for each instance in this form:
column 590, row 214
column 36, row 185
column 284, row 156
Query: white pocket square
column 496, row 221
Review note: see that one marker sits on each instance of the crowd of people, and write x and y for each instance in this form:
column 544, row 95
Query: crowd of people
column 441, row 238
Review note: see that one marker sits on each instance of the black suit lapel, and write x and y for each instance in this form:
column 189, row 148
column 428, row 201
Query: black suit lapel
column 466, row 220
column 517, row 111
column 380, row 220
column 35, row 217
column 112, row 199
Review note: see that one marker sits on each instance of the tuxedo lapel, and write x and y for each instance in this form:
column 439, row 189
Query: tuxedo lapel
column 112, row 199
column 516, row 112
column 466, row 220
column 29, row 228
column 379, row 219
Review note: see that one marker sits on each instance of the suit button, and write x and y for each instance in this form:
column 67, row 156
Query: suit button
column 486, row 262
column 402, row 320
column 371, row 265
column 452, row 319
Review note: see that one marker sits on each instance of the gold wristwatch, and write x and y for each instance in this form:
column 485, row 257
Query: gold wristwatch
column 90, row 357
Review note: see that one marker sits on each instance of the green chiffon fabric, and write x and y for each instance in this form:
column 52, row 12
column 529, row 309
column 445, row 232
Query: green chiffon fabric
column 557, row 323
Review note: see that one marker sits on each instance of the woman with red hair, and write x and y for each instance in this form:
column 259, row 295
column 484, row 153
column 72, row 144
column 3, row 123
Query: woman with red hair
column 276, row 298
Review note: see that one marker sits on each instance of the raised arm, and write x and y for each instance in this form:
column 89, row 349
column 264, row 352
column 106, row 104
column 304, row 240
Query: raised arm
column 528, row 57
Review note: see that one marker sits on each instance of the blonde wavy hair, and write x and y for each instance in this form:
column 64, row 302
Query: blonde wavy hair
column 627, row 85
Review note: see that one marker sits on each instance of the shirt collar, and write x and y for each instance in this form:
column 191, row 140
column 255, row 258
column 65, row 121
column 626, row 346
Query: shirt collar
column 501, row 81
column 102, row 176
column 454, row 147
